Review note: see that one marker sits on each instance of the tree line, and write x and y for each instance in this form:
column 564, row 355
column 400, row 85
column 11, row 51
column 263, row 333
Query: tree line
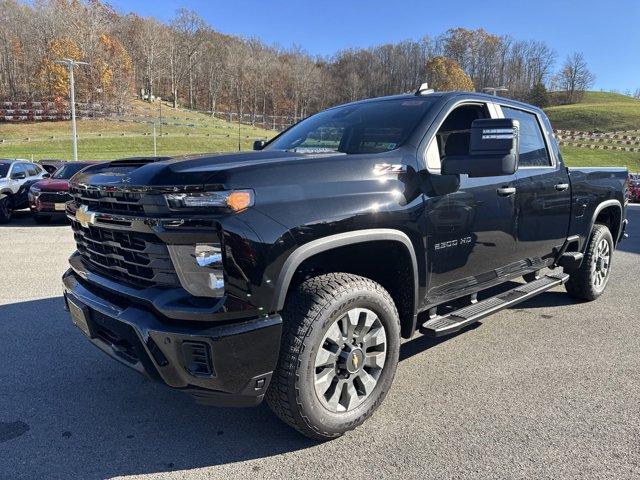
column 187, row 62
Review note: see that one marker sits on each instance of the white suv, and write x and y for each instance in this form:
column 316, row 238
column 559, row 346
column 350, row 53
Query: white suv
column 16, row 176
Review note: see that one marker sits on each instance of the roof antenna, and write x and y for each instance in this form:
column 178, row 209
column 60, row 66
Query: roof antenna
column 424, row 89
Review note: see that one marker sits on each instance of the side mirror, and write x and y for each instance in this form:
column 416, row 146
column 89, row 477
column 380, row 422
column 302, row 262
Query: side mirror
column 19, row 176
column 259, row 144
column 493, row 150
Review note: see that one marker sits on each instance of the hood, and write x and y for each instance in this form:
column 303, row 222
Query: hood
column 217, row 170
column 52, row 185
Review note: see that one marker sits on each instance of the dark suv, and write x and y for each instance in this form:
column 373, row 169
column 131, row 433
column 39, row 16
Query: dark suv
column 293, row 272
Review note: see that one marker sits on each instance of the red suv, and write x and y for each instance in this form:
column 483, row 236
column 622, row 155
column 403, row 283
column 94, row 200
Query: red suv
column 48, row 197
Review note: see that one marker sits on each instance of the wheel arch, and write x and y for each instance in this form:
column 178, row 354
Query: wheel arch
column 336, row 243
column 608, row 213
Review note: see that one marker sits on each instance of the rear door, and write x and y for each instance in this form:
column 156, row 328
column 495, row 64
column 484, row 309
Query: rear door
column 543, row 190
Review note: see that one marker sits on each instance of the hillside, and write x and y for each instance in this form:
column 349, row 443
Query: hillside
column 179, row 132
column 598, row 112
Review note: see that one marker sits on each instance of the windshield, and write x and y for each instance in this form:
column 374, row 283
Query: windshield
column 370, row 127
column 67, row 171
column 4, row 169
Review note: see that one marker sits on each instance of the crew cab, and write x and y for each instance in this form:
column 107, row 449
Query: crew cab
column 291, row 273
column 16, row 177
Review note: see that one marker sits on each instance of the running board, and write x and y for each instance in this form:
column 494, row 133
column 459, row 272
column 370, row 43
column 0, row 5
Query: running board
column 458, row 319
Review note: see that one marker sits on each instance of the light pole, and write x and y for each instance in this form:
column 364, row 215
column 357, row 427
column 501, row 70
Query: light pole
column 494, row 90
column 72, row 94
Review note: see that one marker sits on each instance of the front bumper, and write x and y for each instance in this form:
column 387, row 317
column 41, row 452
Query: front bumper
column 225, row 365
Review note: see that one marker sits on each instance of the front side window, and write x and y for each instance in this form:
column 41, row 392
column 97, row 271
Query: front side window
column 4, row 170
column 454, row 135
column 17, row 168
column 32, row 170
column 533, row 150
column 370, row 127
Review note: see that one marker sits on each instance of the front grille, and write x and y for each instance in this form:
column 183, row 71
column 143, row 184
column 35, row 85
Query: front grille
column 108, row 201
column 54, row 197
column 137, row 259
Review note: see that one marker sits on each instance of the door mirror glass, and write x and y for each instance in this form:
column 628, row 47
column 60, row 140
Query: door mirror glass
column 259, row 144
column 19, row 176
column 493, row 150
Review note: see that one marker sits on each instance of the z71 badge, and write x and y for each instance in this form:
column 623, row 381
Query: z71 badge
column 452, row 243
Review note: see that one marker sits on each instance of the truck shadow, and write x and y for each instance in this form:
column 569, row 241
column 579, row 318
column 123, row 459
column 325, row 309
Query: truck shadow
column 24, row 218
column 70, row 412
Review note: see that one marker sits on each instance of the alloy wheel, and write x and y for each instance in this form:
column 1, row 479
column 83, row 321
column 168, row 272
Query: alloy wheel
column 350, row 360
column 601, row 264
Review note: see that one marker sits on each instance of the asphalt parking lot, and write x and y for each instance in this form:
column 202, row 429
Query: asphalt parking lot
column 550, row 389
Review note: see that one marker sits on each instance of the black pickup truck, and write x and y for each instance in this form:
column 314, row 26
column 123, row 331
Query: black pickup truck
column 293, row 272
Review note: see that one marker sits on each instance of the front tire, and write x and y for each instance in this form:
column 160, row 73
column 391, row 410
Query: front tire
column 6, row 208
column 590, row 280
column 339, row 353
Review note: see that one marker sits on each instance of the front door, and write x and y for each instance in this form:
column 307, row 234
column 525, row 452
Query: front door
column 471, row 233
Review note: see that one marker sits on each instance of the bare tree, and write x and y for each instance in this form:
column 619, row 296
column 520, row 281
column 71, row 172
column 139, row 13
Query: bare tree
column 575, row 77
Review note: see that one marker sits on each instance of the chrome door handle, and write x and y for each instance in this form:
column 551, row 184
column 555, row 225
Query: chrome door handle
column 506, row 191
column 561, row 186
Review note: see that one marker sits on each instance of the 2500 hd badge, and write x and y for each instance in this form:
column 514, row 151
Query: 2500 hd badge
column 452, row 243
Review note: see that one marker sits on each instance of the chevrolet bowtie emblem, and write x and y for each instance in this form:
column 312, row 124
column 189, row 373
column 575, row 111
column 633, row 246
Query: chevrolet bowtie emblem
column 84, row 217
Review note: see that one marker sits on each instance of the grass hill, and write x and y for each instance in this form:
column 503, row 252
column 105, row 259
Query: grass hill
column 598, row 112
column 181, row 132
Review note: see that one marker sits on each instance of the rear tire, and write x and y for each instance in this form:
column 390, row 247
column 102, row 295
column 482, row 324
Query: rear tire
column 6, row 208
column 339, row 353
column 590, row 280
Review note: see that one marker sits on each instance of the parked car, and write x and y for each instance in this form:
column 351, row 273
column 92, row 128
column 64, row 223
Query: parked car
column 51, row 165
column 16, row 176
column 47, row 197
column 634, row 187
column 291, row 273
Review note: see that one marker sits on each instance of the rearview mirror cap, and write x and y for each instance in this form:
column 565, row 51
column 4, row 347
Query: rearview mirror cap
column 259, row 144
column 493, row 150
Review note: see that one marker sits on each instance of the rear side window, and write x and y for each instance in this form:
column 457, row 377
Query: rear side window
column 533, row 149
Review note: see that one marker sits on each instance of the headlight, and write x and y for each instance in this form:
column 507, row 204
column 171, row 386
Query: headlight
column 235, row 200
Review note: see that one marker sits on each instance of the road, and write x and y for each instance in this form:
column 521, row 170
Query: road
column 550, row 389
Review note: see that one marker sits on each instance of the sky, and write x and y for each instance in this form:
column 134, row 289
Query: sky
column 607, row 32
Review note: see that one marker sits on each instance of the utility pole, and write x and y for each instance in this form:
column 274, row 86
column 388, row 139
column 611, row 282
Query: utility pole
column 155, row 149
column 72, row 94
column 494, row 90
